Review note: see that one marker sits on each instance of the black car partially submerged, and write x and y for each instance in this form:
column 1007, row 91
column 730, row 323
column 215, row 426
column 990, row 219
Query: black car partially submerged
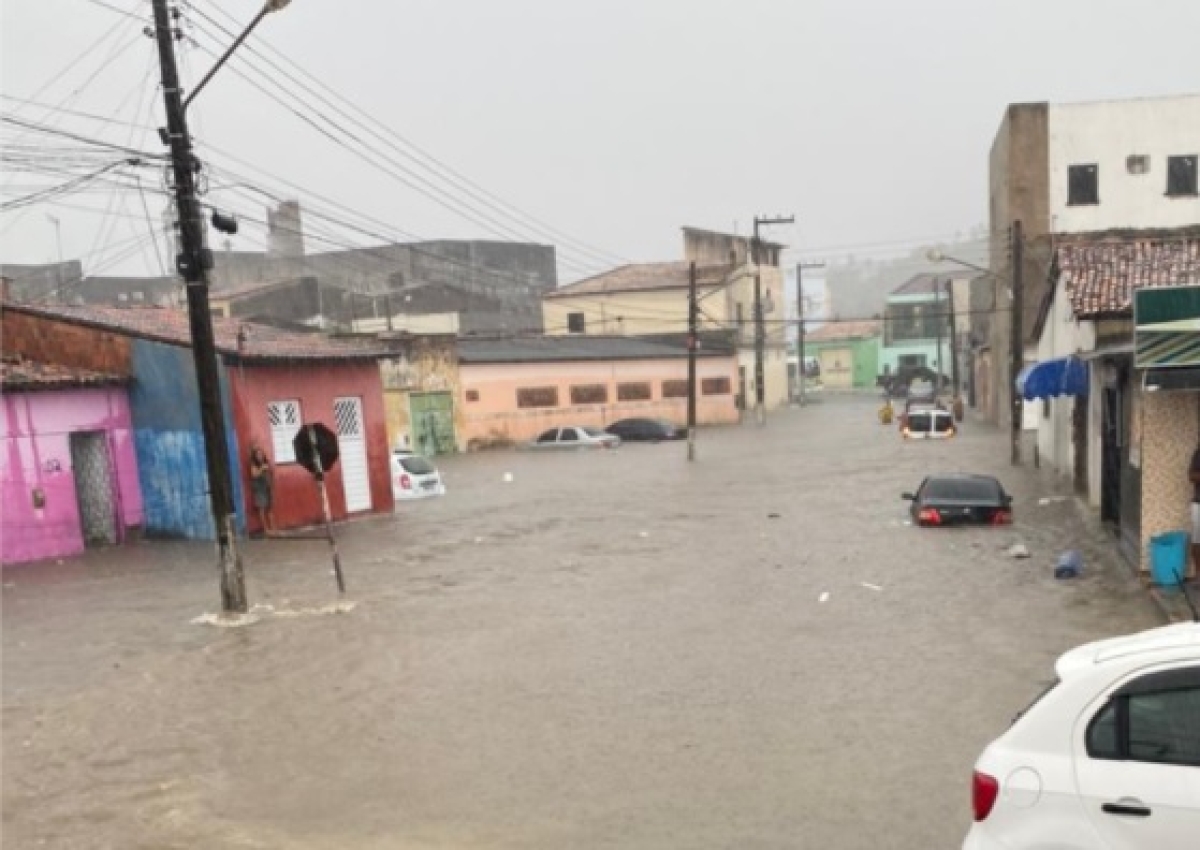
column 646, row 430
column 961, row 500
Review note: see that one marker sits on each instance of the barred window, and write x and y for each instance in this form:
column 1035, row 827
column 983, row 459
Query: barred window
column 674, row 389
column 537, row 397
column 716, row 386
column 634, row 392
column 589, row 394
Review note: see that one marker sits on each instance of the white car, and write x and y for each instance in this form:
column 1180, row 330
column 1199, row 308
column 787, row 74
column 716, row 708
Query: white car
column 1107, row 759
column 414, row 477
column 927, row 422
column 575, row 437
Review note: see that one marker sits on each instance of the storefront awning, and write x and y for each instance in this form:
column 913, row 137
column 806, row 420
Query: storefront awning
column 1178, row 378
column 1062, row 376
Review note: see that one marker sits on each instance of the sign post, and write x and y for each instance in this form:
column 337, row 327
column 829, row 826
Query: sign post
column 317, row 451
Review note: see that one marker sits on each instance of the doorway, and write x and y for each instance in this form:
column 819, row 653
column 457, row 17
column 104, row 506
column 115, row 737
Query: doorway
column 356, row 478
column 94, row 487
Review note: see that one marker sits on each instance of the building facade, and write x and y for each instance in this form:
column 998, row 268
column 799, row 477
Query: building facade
column 422, row 393
column 917, row 331
column 1121, row 165
column 272, row 382
column 514, row 389
column 847, row 354
column 68, row 473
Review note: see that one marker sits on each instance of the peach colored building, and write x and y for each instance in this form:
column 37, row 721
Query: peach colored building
column 513, row 389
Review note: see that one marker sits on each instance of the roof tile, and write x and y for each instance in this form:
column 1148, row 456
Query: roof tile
column 1100, row 277
column 25, row 376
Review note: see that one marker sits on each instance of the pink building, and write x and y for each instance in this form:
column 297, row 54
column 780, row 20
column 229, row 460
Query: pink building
column 514, row 389
column 68, row 473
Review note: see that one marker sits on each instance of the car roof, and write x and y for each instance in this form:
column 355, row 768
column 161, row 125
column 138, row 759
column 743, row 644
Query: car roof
column 962, row 476
column 1181, row 640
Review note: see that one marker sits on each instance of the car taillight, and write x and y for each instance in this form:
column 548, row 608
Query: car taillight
column 929, row 515
column 1002, row 517
column 984, row 791
column 405, row 482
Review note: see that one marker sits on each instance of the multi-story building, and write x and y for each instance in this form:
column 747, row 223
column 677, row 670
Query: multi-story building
column 1059, row 169
column 652, row 299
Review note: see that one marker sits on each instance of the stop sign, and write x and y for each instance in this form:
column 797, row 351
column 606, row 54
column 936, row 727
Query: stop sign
column 316, row 448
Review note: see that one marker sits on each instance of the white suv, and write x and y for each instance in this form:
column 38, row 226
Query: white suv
column 1107, row 759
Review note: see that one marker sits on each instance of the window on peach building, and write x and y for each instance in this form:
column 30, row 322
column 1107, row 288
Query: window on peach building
column 674, row 389
column 589, row 394
column 716, row 386
column 636, row 391
column 537, row 397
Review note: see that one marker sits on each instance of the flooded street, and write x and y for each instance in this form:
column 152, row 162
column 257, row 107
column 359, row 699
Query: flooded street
column 614, row 650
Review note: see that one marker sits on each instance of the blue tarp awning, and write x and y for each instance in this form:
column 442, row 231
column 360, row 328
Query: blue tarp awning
column 1062, row 376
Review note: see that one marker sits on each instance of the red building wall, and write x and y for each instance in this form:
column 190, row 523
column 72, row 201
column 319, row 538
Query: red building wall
column 297, row 501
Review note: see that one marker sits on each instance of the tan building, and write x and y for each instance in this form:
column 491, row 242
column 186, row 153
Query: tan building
column 421, row 389
column 652, row 299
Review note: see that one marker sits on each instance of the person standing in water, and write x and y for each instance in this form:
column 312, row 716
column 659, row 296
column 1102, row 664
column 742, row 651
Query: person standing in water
column 262, row 486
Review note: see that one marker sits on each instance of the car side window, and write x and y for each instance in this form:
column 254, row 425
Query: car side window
column 1155, row 719
column 549, row 436
column 568, row 435
column 1165, row 727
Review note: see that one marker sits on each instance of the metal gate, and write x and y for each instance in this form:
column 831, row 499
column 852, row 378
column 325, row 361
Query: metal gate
column 356, row 477
column 94, row 487
column 1079, row 439
column 432, row 423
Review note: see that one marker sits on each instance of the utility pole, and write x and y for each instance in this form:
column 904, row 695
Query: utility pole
column 800, row 328
column 760, row 328
column 193, row 263
column 954, row 369
column 938, row 316
column 1018, row 338
column 693, row 342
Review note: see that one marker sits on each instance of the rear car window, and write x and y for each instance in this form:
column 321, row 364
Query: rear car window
column 417, row 465
column 965, row 490
column 594, row 432
column 920, row 421
column 942, row 423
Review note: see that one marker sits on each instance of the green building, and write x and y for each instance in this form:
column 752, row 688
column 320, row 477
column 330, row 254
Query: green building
column 846, row 352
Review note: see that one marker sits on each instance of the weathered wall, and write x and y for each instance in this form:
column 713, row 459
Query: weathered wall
column 1106, row 133
column 170, row 442
column 48, row 341
column 297, row 501
column 1018, row 177
column 420, row 365
column 495, row 413
column 649, row 312
column 1062, row 336
column 863, row 358
column 1170, row 433
column 36, row 431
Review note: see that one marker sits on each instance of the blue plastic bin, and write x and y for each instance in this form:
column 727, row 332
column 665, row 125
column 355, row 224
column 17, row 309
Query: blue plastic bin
column 1168, row 558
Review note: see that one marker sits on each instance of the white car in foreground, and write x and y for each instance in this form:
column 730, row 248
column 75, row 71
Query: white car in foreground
column 414, row 477
column 1107, row 759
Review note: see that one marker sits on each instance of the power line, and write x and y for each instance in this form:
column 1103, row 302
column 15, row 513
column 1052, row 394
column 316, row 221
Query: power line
column 419, row 156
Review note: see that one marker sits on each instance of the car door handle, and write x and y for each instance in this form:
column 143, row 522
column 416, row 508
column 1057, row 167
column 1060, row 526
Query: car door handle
column 1133, row 809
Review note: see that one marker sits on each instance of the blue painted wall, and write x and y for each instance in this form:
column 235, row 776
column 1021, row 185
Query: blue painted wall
column 170, row 443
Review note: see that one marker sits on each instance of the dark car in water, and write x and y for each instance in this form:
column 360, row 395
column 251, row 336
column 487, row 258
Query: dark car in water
column 960, row 500
column 646, row 430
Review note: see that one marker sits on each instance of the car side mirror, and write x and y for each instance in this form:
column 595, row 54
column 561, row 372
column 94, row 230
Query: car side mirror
column 908, row 497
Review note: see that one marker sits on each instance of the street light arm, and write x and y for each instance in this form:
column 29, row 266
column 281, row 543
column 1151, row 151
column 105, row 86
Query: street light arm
column 935, row 256
column 268, row 7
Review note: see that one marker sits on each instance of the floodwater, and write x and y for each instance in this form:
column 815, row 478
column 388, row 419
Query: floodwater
column 616, row 649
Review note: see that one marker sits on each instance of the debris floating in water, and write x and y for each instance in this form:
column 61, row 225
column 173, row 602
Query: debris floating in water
column 508, row 478
column 824, row 597
column 870, row 586
column 260, row 612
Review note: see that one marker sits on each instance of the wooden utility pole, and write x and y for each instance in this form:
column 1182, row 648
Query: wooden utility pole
column 193, row 263
column 693, row 342
column 760, row 329
column 1018, row 338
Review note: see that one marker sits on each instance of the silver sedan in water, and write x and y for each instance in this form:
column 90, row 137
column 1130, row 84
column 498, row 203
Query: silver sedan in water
column 575, row 437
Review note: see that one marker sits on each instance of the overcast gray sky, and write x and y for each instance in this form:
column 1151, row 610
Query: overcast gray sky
column 614, row 122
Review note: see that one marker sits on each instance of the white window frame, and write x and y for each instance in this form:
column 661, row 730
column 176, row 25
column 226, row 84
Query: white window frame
column 282, row 435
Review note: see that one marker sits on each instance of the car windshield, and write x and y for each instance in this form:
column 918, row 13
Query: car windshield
column 417, row 465
column 962, row 489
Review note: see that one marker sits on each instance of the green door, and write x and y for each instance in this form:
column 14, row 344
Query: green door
column 432, row 423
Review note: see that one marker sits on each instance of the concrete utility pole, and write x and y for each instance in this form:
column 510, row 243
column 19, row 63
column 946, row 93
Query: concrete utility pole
column 194, row 262
column 800, row 329
column 1018, row 338
column 693, row 342
column 954, row 370
column 760, row 329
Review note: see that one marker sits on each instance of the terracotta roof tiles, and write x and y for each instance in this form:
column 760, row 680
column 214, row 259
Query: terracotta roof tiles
column 1100, row 277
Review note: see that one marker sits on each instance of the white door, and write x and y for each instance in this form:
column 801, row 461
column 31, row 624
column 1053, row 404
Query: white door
column 1138, row 776
column 348, row 414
